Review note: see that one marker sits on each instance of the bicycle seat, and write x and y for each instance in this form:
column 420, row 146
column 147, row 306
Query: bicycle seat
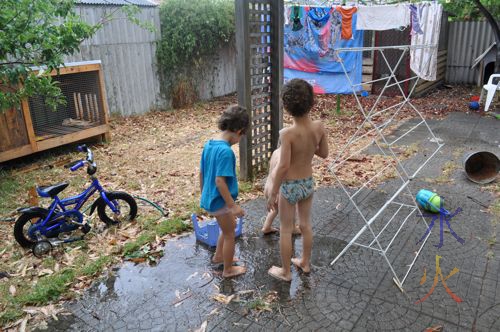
column 51, row 191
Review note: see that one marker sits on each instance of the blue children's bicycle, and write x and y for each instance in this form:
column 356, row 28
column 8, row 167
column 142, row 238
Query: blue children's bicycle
column 39, row 228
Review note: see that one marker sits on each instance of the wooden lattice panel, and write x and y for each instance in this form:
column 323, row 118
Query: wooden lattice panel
column 259, row 36
column 260, row 80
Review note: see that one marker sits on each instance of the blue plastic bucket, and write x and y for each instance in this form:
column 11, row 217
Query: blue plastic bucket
column 207, row 231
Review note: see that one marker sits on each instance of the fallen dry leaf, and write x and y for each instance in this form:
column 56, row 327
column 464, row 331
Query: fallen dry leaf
column 12, row 290
column 45, row 272
column 223, row 298
column 24, row 323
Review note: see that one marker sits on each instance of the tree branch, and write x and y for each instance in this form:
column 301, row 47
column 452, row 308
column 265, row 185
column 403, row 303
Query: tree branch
column 496, row 29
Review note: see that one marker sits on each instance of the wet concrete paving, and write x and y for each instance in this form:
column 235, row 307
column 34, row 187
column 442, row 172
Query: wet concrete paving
column 355, row 294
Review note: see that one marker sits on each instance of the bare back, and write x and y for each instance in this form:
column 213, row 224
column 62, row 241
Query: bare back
column 304, row 138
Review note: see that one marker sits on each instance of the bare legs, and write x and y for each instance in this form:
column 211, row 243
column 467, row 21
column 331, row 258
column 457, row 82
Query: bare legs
column 286, row 211
column 225, row 247
column 268, row 223
column 267, row 227
column 304, row 212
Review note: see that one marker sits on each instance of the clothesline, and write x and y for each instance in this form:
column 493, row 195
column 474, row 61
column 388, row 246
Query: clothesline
column 319, row 41
column 322, row 3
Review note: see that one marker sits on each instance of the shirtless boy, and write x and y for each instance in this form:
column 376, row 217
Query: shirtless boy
column 293, row 180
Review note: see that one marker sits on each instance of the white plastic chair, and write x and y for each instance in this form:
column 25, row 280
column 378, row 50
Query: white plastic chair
column 491, row 88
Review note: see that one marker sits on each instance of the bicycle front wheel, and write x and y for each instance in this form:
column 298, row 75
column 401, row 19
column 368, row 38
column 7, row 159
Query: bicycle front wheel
column 124, row 203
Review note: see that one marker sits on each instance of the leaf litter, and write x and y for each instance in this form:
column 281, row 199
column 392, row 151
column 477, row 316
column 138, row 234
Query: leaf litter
column 156, row 156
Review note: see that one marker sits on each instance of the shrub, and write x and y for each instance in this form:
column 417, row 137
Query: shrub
column 191, row 32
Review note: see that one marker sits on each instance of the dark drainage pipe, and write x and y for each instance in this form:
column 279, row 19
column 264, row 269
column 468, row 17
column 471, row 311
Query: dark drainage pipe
column 481, row 167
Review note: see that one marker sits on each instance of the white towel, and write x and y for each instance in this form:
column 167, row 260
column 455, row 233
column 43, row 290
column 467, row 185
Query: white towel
column 423, row 61
column 384, row 17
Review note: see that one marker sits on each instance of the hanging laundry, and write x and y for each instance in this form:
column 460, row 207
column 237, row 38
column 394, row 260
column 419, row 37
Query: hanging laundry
column 335, row 34
column 384, row 17
column 416, row 13
column 318, row 30
column 347, row 14
column 296, row 16
column 310, row 53
column 288, row 14
column 423, row 61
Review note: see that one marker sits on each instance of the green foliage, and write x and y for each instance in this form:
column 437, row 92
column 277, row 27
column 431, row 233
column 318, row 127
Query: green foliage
column 40, row 33
column 466, row 10
column 192, row 31
column 36, row 33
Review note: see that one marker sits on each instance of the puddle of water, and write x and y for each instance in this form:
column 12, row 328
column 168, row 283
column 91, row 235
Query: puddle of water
column 185, row 270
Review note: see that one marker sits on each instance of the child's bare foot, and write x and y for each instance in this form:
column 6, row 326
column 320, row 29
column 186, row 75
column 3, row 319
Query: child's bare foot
column 298, row 263
column 296, row 230
column 234, row 271
column 278, row 273
column 271, row 230
column 221, row 260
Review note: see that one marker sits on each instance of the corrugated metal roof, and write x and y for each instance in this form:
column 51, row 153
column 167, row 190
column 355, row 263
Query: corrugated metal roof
column 140, row 3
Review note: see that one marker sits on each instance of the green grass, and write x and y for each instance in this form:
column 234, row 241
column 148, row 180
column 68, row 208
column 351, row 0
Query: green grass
column 171, row 226
column 95, row 267
column 48, row 288
column 144, row 238
column 152, row 229
column 11, row 315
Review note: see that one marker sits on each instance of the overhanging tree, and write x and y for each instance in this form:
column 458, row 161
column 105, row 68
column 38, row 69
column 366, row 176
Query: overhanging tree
column 496, row 29
column 36, row 33
column 40, row 33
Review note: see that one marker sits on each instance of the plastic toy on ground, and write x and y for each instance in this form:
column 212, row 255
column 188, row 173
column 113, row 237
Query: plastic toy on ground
column 207, row 230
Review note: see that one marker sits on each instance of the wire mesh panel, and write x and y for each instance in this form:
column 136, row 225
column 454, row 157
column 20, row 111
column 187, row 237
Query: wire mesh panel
column 259, row 40
column 83, row 108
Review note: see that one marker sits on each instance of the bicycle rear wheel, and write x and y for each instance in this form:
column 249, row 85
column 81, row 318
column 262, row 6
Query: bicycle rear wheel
column 23, row 225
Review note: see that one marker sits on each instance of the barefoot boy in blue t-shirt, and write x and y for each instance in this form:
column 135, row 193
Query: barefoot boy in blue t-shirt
column 219, row 184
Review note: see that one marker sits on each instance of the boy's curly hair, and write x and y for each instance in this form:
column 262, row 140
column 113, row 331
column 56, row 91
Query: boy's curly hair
column 234, row 118
column 298, row 97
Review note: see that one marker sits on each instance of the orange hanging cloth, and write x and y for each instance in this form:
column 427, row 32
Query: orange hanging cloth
column 347, row 14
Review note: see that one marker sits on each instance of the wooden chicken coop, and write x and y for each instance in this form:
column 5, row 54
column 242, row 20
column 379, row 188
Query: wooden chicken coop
column 33, row 127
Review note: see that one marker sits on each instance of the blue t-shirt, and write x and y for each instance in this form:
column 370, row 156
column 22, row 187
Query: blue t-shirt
column 217, row 159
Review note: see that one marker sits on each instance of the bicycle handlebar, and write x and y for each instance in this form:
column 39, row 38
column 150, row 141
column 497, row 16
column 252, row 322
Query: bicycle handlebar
column 76, row 166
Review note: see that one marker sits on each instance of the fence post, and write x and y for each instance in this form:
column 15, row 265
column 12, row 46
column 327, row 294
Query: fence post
column 277, row 22
column 243, row 83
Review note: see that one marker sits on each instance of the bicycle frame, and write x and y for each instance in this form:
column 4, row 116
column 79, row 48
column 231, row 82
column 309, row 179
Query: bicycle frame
column 78, row 201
